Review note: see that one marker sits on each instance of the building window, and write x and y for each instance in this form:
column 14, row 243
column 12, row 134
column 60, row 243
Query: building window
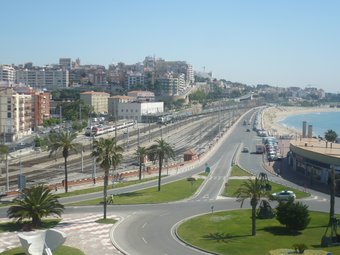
column 9, row 115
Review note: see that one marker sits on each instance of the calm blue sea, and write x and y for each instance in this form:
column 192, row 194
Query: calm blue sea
column 321, row 121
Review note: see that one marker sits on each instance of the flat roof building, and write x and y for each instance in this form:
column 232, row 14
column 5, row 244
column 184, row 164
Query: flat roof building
column 314, row 158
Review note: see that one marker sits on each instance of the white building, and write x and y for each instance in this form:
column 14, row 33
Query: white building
column 7, row 73
column 50, row 78
column 135, row 110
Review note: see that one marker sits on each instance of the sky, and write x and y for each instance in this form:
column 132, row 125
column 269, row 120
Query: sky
column 280, row 43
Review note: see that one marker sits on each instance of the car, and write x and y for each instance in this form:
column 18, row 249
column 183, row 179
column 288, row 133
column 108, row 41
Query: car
column 248, row 130
column 284, row 195
column 245, row 149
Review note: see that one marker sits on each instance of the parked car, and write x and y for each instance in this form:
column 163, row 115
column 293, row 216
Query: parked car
column 245, row 149
column 284, row 195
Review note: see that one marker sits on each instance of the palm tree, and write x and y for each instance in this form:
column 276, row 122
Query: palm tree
column 35, row 203
column 4, row 151
column 331, row 136
column 253, row 190
column 107, row 154
column 161, row 150
column 141, row 153
column 63, row 142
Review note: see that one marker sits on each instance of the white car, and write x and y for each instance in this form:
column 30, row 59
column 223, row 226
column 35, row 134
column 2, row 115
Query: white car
column 284, row 195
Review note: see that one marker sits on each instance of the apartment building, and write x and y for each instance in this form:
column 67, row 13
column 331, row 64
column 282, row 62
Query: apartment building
column 49, row 78
column 66, row 63
column 133, row 79
column 170, row 84
column 15, row 115
column 98, row 100
column 7, row 73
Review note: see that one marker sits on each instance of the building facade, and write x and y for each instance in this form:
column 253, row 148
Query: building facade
column 314, row 159
column 7, row 73
column 50, row 78
column 15, row 115
column 98, row 100
column 142, row 96
column 113, row 105
column 135, row 110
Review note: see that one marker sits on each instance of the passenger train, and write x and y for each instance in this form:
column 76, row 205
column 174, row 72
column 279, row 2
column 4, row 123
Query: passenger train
column 104, row 129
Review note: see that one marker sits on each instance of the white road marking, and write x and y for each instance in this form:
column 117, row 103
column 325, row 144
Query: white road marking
column 144, row 240
column 144, row 225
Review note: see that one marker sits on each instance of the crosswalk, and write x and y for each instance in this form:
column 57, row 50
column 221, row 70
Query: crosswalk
column 82, row 232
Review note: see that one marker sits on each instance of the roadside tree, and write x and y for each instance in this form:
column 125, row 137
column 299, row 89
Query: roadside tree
column 160, row 151
column 63, row 142
column 141, row 153
column 253, row 190
column 108, row 153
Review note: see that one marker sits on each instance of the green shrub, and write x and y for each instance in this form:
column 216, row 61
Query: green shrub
column 299, row 247
column 294, row 215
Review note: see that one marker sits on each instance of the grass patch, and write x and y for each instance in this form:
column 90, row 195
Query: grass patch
column 106, row 221
column 62, row 250
column 238, row 171
column 100, row 188
column 234, row 184
column 229, row 232
column 17, row 226
column 174, row 191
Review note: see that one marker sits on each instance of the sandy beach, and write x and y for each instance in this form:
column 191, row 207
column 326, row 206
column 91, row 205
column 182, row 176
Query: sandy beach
column 271, row 116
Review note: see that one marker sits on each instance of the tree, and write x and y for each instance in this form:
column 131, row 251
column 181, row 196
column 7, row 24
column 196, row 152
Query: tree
column 253, row 190
column 295, row 216
column 64, row 142
column 35, row 203
column 141, row 153
column 331, row 135
column 161, row 150
column 107, row 154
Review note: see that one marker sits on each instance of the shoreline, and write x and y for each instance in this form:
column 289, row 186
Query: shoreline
column 272, row 115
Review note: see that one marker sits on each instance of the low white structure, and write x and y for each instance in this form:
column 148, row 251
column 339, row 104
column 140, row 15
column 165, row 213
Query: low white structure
column 41, row 242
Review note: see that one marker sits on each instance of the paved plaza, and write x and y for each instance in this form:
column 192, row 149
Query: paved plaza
column 82, row 232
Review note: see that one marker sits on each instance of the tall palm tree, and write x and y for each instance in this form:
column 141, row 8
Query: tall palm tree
column 161, row 150
column 64, row 142
column 35, row 203
column 107, row 154
column 4, row 151
column 330, row 136
column 253, row 190
column 141, row 153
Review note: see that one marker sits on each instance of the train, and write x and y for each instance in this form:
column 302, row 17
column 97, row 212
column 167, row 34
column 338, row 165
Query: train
column 104, row 129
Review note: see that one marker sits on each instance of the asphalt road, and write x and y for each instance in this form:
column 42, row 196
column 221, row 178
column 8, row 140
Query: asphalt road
column 149, row 229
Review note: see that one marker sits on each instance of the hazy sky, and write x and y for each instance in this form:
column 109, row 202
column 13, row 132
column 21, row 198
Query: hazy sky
column 280, row 43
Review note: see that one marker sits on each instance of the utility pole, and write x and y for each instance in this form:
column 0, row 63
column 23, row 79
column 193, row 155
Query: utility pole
column 82, row 159
column 7, row 175
column 80, row 113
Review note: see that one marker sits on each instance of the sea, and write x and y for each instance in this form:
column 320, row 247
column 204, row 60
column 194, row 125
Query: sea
column 321, row 122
